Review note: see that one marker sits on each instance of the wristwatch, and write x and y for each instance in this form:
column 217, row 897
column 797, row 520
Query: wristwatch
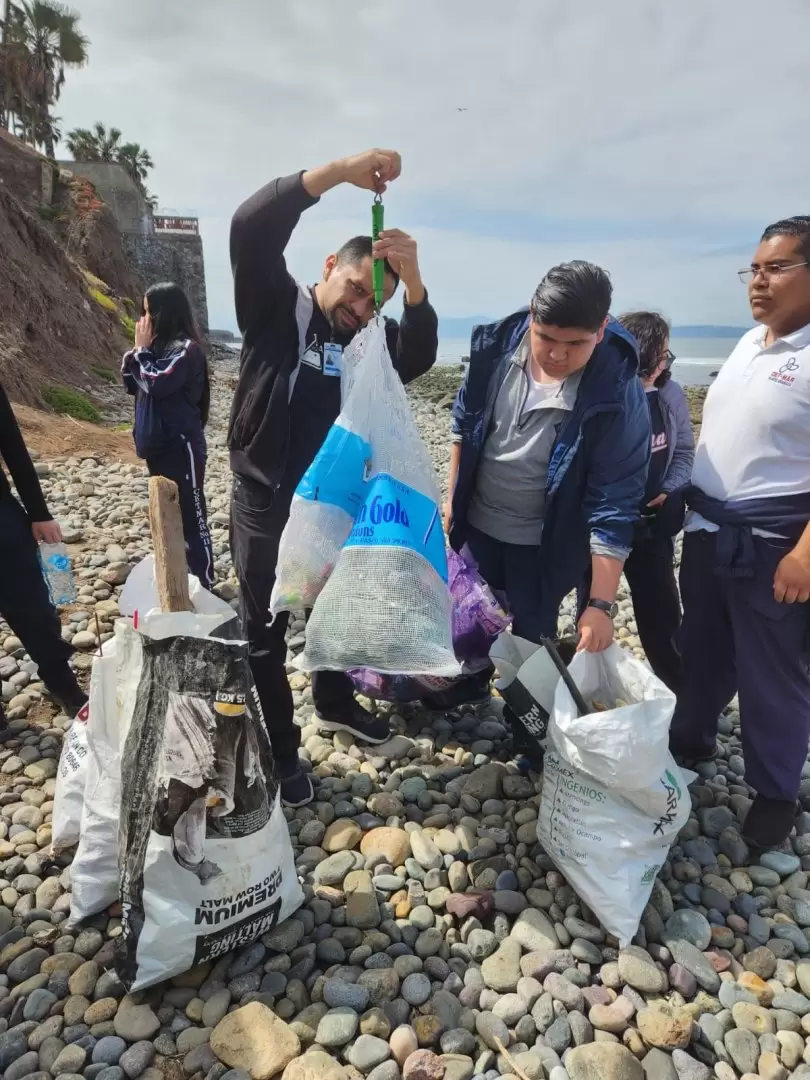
column 610, row 609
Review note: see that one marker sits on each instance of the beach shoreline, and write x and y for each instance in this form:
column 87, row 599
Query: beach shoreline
column 440, row 385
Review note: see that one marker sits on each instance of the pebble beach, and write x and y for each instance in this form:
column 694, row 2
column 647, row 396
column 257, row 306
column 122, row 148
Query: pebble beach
column 437, row 941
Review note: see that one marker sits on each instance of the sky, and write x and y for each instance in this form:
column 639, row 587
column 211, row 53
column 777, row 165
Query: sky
column 653, row 137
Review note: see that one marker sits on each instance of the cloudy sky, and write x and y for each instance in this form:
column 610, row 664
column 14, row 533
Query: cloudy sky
column 654, row 137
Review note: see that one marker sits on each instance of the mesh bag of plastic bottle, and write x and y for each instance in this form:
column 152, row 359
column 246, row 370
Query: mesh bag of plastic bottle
column 329, row 496
column 477, row 620
column 386, row 605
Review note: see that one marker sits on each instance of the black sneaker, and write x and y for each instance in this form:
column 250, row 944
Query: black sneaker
column 471, row 690
column 690, row 761
column 295, row 785
column 357, row 721
column 71, row 706
column 768, row 823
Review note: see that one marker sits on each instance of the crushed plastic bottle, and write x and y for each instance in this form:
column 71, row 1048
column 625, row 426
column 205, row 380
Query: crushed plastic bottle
column 55, row 563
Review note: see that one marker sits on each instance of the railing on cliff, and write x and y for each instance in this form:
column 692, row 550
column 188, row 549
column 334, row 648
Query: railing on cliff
column 176, row 223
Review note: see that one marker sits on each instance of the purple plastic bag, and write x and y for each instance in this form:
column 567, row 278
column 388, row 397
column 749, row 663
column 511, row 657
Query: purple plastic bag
column 478, row 619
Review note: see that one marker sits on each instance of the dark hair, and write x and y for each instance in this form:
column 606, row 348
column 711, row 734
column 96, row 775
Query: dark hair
column 173, row 320
column 794, row 226
column 574, row 294
column 651, row 331
column 359, row 248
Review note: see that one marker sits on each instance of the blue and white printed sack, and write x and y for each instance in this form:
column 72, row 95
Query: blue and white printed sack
column 386, row 605
column 322, row 514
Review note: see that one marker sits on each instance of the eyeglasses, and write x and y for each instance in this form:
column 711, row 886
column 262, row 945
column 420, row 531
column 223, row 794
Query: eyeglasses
column 670, row 358
column 768, row 270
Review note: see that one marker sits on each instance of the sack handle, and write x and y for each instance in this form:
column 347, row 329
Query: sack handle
column 565, row 675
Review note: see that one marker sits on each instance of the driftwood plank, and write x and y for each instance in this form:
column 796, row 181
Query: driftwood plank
column 171, row 568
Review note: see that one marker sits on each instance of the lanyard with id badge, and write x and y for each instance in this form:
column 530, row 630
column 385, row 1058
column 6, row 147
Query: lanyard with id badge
column 332, row 358
column 327, row 358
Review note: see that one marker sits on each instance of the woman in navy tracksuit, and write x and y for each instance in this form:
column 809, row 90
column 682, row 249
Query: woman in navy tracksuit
column 168, row 375
column 650, row 566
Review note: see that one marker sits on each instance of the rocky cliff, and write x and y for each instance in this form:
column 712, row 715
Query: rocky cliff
column 66, row 294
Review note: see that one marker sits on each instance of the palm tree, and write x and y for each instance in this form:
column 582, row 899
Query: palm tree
column 41, row 39
column 5, row 91
column 137, row 162
column 98, row 144
column 47, row 133
column 103, row 144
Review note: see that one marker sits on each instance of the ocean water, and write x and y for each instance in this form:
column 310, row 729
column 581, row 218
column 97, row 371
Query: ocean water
column 697, row 359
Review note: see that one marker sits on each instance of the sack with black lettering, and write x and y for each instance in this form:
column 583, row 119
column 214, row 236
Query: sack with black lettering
column 94, row 869
column 206, row 863
column 71, row 777
column 386, row 605
column 613, row 799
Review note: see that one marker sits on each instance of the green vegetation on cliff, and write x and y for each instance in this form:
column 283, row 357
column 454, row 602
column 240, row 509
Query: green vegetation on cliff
column 69, row 402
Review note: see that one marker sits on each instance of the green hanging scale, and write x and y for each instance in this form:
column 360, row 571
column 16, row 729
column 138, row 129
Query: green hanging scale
column 377, row 265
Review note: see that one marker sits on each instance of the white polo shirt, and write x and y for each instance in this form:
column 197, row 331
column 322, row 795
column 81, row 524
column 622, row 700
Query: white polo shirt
column 755, row 436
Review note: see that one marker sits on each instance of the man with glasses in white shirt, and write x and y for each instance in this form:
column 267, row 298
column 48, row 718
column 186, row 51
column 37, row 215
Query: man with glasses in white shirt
column 745, row 572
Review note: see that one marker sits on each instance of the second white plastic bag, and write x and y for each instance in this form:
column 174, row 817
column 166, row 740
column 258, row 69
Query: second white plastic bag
column 94, row 870
column 613, row 799
column 71, row 779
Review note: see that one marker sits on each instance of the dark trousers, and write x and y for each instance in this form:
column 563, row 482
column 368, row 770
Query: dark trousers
column 650, row 573
column 513, row 571
column 257, row 522
column 736, row 638
column 185, row 464
column 26, row 605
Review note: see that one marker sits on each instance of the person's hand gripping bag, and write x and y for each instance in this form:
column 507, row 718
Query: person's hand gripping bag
column 386, row 605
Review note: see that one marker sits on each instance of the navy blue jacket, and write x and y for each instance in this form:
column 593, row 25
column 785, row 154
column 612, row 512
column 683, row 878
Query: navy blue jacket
column 168, row 390
column 598, row 467
column 786, row 515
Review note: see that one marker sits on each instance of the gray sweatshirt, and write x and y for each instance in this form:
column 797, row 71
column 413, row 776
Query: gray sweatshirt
column 510, row 492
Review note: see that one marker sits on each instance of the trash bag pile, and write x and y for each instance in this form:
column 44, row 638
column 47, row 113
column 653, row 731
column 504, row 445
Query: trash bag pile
column 181, row 817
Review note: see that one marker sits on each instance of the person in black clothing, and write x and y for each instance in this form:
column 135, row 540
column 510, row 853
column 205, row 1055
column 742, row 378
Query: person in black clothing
column 24, row 600
column 168, row 376
column 286, row 400
column 650, row 566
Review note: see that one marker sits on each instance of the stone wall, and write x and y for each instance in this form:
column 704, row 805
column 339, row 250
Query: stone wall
column 118, row 190
column 151, row 256
column 174, row 257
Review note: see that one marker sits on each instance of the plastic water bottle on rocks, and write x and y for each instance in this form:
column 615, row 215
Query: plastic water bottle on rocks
column 55, row 563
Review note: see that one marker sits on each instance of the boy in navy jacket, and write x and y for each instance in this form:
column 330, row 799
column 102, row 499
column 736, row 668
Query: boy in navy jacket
column 551, row 446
